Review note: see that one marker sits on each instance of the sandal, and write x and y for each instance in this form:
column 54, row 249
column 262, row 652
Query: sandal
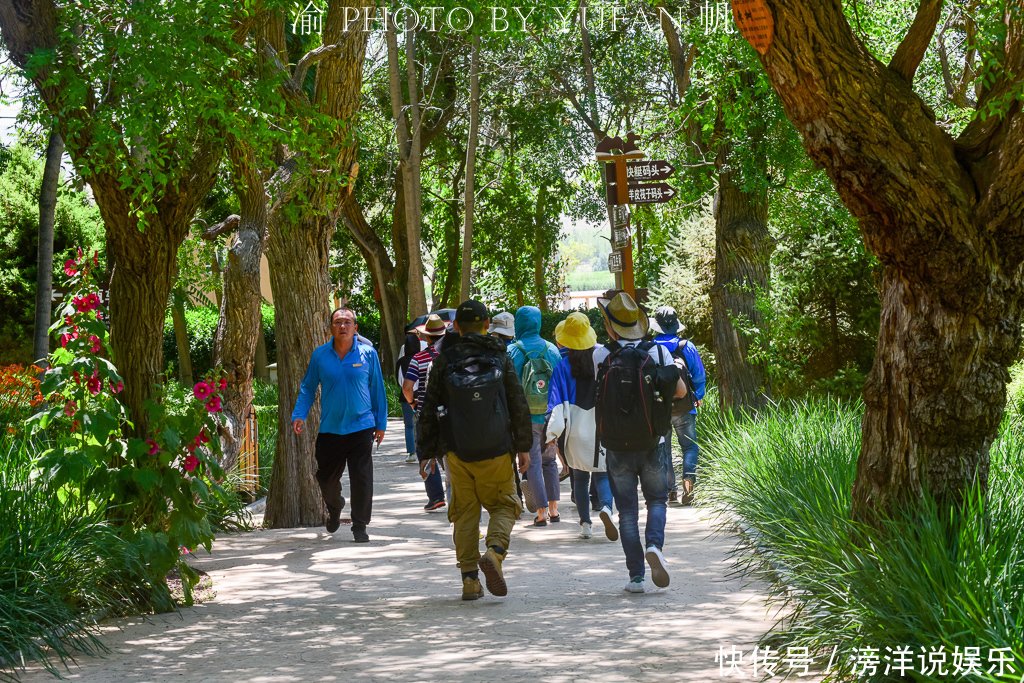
column 539, row 522
column 555, row 518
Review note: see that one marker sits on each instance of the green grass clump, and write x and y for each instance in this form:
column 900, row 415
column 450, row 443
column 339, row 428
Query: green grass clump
column 62, row 567
column 920, row 581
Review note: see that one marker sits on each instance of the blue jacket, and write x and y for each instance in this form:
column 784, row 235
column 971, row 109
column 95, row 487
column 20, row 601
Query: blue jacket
column 528, row 334
column 693, row 362
column 352, row 396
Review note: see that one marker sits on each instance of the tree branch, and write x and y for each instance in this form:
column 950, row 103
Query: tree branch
column 225, row 227
column 912, row 48
column 310, row 58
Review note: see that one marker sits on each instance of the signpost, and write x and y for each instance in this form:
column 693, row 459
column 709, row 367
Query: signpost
column 624, row 170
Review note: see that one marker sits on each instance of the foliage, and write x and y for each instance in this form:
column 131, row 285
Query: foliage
column 581, row 281
column 149, row 489
column 76, row 222
column 200, row 327
column 921, row 581
column 264, row 404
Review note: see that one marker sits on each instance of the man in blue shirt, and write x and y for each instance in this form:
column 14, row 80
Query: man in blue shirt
column 353, row 413
column 529, row 348
column 684, row 422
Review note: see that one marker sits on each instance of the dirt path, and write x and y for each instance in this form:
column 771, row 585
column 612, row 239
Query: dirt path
column 303, row 605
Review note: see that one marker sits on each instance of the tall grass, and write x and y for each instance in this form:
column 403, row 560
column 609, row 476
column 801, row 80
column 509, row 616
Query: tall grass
column 921, row 581
column 62, row 567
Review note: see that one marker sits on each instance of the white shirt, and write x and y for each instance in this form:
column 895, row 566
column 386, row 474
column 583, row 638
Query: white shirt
column 657, row 352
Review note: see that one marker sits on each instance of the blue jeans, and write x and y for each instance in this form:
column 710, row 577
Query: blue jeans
column 409, row 417
column 625, row 470
column 581, row 482
column 434, row 484
column 685, row 427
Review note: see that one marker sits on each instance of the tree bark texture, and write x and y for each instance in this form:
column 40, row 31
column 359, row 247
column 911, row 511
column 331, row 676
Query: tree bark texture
column 540, row 249
column 407, row 136
column 44, row 276
column 470, row 198
column 945, row 217
column 181, row 338
column 298, row 252
column 741, row 271
column 240, row 322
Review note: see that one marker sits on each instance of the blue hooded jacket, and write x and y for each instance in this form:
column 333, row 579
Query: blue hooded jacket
column 693, row 362
column 528, row 334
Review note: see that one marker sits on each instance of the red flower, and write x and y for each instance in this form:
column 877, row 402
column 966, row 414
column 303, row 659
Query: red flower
column 76, row 376
column 95, row 343
column 202, row 391
column 81, row 304
column 70, row 267
column 79, row 252
column 94, row 385
column 74, row 426
column 202, row 438
column 68, row 320
column 96, row 258
column 64, row 339
column 190, row 462
column 116, row 388
column 213, row 405
column 69, row 408
column 154, row 447
column 223, row 383
column 93, row 301
column 99, row 316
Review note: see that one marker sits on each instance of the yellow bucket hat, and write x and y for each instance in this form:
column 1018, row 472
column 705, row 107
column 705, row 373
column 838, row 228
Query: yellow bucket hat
column 627, row 319
column 576, row 332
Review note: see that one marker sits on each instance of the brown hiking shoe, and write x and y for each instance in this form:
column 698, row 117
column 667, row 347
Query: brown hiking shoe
column 687, row 495
column 490, row 565
column 471, row 589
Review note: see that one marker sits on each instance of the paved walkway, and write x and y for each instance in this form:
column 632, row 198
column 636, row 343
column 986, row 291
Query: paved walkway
column 304, row 605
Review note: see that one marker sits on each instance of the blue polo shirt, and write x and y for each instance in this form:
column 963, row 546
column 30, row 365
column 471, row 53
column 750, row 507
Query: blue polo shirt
column 352, row 396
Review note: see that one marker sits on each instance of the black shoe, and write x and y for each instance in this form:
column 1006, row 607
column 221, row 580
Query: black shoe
column 360, row 537
column 333, row 521
column 434, row 505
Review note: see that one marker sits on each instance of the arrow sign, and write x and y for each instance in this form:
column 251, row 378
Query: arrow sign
column 649, row 170
column 650, row 193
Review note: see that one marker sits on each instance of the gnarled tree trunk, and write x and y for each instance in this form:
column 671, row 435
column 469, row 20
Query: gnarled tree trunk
column 944, row 216
column 44, row 275
column 741, row 271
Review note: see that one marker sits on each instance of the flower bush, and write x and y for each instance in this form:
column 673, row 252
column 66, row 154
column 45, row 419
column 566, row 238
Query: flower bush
column 153, row 489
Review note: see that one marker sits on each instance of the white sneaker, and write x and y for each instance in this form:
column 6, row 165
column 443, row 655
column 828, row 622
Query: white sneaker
column 585, row 531
column 411, row 458
column 609, row 525
column 635, row 585
column 659, row 575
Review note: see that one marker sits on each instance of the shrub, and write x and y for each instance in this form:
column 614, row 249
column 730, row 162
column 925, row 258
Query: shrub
column 920, row 581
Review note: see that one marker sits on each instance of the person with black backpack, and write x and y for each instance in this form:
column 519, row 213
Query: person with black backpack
column 636, row 382
column 684, row 410
column 475, row 413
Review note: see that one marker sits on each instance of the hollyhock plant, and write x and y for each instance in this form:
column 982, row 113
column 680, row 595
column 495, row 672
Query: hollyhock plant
column 96, row 346
column 154, row 447
column 202, row 391
column 223, row 384
column 70, row 267
column 190, row 462
column 213, row 405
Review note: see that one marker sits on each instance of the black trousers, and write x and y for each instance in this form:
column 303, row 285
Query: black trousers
column 333, row 453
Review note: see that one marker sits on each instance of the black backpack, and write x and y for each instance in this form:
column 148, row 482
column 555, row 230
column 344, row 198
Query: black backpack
column 476, row 419
column 633, row 406
column 686, row 403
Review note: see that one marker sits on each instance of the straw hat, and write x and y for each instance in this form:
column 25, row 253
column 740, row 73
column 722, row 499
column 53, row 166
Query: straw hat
column 434, row 327
column 576, row 332
column 626, row 319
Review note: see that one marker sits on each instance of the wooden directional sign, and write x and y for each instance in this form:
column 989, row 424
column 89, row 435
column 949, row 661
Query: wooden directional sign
column 620, row 216
column 649, row 170
column 615, row 262
column 650, row 193
column 620, row 237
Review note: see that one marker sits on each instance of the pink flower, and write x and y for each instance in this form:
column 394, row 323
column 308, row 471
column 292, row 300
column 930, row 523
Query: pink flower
column 69, row 408
column 190, row 462
column 68, row 320
column 95, row 343
column 99, row 316
column 79, row 252
column 116, row 388
column 70, row 267
column 202, row 438
column 94, row 385
column 81, row 304
column 93, row 301
column 223, row 383
column 202, row 390
column 64, row 339
column 154, row 447
column 213, row 405
column 96, row 258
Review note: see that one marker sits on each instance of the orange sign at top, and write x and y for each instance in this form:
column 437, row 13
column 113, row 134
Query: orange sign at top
column 755, row 22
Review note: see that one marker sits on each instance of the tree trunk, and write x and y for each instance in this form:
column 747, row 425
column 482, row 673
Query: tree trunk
column 240, row 322
column 261, row 371
column 298, row 252
column 539, row 249
column 943, row 216
column 741, row 271
column 181, row 338
column 44, row 274
column 470, row 197
column 407, row 134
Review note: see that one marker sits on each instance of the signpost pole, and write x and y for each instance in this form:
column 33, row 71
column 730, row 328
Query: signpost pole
column 622, row 189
